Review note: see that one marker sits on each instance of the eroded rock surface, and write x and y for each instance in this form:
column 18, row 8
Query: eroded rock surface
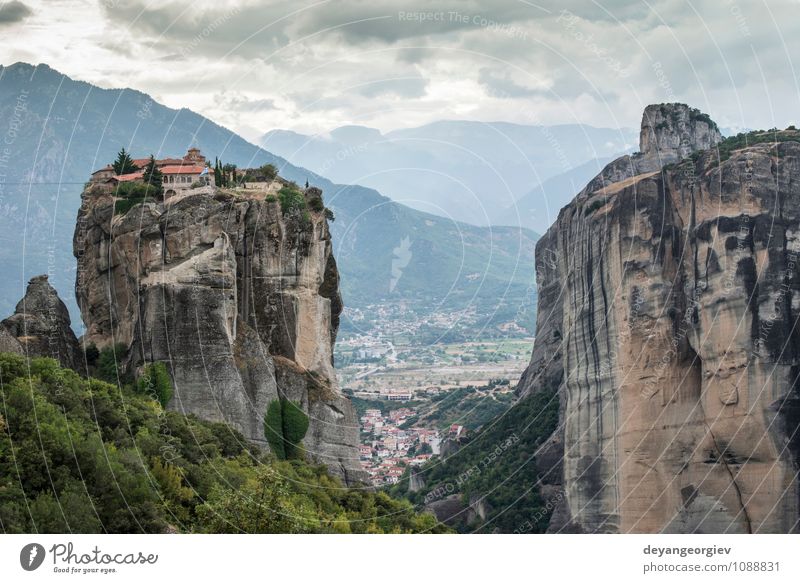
column 668, row 307
column 240, row 301
column 40, row 326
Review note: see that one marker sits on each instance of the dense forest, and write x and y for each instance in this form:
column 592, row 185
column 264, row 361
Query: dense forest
column 84, row 456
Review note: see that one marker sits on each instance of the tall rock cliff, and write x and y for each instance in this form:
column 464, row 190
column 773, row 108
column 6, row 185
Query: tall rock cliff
column 669, row 296
column 240, row 301
column 40, row 326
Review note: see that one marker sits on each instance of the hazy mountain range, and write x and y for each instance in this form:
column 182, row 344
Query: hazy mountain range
column 55, row 130
column 466, row 170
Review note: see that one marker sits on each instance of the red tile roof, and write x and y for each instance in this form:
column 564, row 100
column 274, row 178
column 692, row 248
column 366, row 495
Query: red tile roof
column 129, row 177
column 183, row 169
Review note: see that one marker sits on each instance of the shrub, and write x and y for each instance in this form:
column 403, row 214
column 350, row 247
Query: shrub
column 79, row 455
column 135, row 190
column 594, row 205
column 91, row 354
column 697, row 115
column 285, row 426
column 268, row 171
column 329, row 215
column 108, row 364
column 156, row 382
column 292, row 200
column 130, row 194
column 123, row 205
column 295, row 426
column 316, row 204
column 271, row 198
column 273, row 429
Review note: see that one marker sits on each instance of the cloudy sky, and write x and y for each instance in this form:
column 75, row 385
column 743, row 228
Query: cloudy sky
column 256, row 65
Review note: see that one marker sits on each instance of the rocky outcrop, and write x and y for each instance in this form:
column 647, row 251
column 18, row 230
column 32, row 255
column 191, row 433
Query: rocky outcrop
column 240, row 301
column 8, row 343
column 40, row 326
column 669, row 295
column 672, row 131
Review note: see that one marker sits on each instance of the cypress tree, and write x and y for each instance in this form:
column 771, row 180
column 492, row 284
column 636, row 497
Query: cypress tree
column 123, row 164
column 153, row 177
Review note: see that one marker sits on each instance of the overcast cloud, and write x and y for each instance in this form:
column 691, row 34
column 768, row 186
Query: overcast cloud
column 312, row 66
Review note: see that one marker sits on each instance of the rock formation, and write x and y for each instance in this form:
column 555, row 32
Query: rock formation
column 40, row 326
column 669, row 294
column 8, row 343
column 240, row 301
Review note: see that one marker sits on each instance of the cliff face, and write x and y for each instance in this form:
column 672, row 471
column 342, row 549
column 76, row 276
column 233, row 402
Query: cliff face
column 40, row 326
column 239, row 301
column 668, row 304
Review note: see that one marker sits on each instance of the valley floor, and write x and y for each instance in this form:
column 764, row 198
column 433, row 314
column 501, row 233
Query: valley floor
column 411, row 397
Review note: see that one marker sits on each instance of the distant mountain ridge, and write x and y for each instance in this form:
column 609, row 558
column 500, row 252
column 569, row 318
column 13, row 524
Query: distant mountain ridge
column 61, row 129
column 470, row 171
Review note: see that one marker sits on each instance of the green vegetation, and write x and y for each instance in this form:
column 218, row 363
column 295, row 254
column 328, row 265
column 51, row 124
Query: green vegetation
column 268, row 172
column 594, row 205
column 109, row 364
column 742, row 140
column 498, row 465
column 122, row 206
column 130, row 194
column 315, row 204
column 285, row 426
column 697, row 115
column 468, row 406
column 152, row 177
column 292, row 200
column 91, row 353
column 135, row 190
column 229, row 174
column 124, row 163
column 156, row 382
column 694, row 115
column 85, row 456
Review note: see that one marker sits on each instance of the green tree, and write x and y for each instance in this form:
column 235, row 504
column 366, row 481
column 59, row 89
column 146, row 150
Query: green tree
column 268, row 172
column 229, row 172
column 92, row 354
column 152, row 176
column 156, row 382
column 82, row 455
column 285, row 426
column 295, row 426
column 124, row 163
column 109, row 363
column 273, row 429
column 292, row 200
column 262, row 505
